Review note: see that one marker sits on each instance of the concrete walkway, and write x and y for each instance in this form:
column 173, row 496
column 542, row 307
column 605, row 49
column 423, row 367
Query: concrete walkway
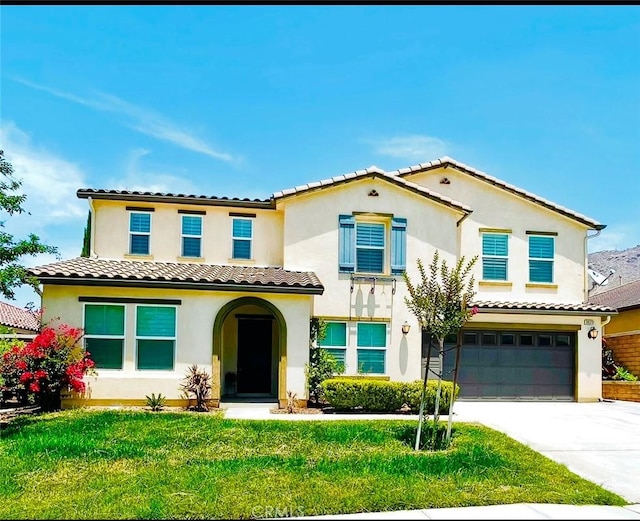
column 598, row 441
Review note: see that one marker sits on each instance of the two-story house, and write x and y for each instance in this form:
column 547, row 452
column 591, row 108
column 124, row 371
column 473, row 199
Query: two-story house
column 231, row 284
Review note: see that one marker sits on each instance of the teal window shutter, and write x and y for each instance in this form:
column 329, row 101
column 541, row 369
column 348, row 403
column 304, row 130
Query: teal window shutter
column 398, row 245
column 335, row 334
column 541, row 254
column 346, row 247
column 495, row 254
column 156, row 321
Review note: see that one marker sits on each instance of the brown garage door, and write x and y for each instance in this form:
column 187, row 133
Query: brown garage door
column 515, row 365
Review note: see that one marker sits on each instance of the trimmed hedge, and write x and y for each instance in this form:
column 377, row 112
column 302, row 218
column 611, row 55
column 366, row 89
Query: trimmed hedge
column 375, row 395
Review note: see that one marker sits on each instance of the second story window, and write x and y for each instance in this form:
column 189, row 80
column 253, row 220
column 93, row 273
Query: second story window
column 242, row 235
column 370, row 243
column 541, row 253
column 191, row 236
column 495, row 256
column 364, row 245
column 139, row 232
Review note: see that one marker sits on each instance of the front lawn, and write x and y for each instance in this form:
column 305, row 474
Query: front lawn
column 116, row 464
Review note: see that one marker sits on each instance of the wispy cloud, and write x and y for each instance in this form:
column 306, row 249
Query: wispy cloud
column 138, row 118
column 412, row 148
column 49, row 181
column 615, row 237
column 147, row 179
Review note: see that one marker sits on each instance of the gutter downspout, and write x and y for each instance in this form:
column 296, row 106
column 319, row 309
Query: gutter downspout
column 602, row 324
column 92, row 238
column 586, row 264
column 458, row 223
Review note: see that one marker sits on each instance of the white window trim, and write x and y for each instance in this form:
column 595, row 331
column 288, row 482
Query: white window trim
column 131, row 234
column 136, row 338
column 551, row 260
column 386, row 249
column 496, row 256
column 191, row 236
column 248, row 239
column 123, row 337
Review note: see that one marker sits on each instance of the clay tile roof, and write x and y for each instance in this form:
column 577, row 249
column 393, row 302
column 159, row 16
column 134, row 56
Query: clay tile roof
column 18, row 318
column 374, row 171
column 478, row 174
column 543, row 307
column 184, row 275
column 622, row 297
column 129, row 195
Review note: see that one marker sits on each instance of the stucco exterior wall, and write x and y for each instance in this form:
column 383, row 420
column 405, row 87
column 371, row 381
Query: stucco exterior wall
column 626, row 321
column 111, row 233
column 194, row 345
column 311, row 235
column 493, row 207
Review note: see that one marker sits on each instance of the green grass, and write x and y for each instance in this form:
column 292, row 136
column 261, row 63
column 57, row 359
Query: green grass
column 114, row 464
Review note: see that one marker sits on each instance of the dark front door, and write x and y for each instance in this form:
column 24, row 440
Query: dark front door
column 254, row 355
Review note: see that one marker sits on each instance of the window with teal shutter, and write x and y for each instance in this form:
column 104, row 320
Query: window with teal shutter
column 371, row 342
column 191, row 236
column 155, row 337
column 335, row 342
column 541, row 254
column 104, row 334
column 398, row 245
column 242, row 235
column 346, row 247
column 495, row 255
column 139, row 232
column 370, row 243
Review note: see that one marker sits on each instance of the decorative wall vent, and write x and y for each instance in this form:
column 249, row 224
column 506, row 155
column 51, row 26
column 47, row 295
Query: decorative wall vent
column 445, row 181
column 373, row 193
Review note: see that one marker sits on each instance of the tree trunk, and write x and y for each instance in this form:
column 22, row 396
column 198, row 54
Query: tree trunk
column 436, row 412
column 423, row 398
column 453, row 389
column 50, row 401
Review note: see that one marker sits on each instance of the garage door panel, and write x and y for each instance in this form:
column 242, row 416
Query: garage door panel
column 526, row 366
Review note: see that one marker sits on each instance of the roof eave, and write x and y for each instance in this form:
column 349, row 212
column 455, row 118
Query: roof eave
column 208, row 286
column 527, row 311
column 176, row 199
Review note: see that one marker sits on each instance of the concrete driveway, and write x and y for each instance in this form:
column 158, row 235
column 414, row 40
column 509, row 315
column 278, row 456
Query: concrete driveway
column 598, row 441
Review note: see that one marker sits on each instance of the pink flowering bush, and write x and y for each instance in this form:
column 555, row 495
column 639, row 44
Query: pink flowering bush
column 54, row 361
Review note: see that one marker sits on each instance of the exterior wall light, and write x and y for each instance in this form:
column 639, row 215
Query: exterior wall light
column 405, row 327
column 593, row 333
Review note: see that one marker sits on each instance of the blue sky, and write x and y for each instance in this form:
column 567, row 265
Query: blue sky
column 243, row 101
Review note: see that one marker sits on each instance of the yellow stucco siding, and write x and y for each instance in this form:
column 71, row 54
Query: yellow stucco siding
column 495, row 208
column 624, row 322
column 111, row 233
column 194, row 336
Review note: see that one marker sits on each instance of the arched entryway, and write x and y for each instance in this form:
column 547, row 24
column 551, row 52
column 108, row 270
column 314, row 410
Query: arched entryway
column 249, row 351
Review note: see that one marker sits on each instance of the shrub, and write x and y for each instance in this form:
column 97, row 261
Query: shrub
column 384, row 396
column 156, row 403
column 623, row 374
column 322, row 365
column 53, row 362
column 197, row 383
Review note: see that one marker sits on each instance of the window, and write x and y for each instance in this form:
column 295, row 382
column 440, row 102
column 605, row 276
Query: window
column 104, row 334
column 363, row 245
column 139, row 232
column 335, row 342
column 372, row 343
column 495, row 253
column 155, row 337
column 242, row 235
column 370, row 247
column 191, row 236
column 541, row 250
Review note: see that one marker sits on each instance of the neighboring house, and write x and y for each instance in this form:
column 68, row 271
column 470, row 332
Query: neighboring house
column 22, row 322
column 231, row 284
column 623, row 331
